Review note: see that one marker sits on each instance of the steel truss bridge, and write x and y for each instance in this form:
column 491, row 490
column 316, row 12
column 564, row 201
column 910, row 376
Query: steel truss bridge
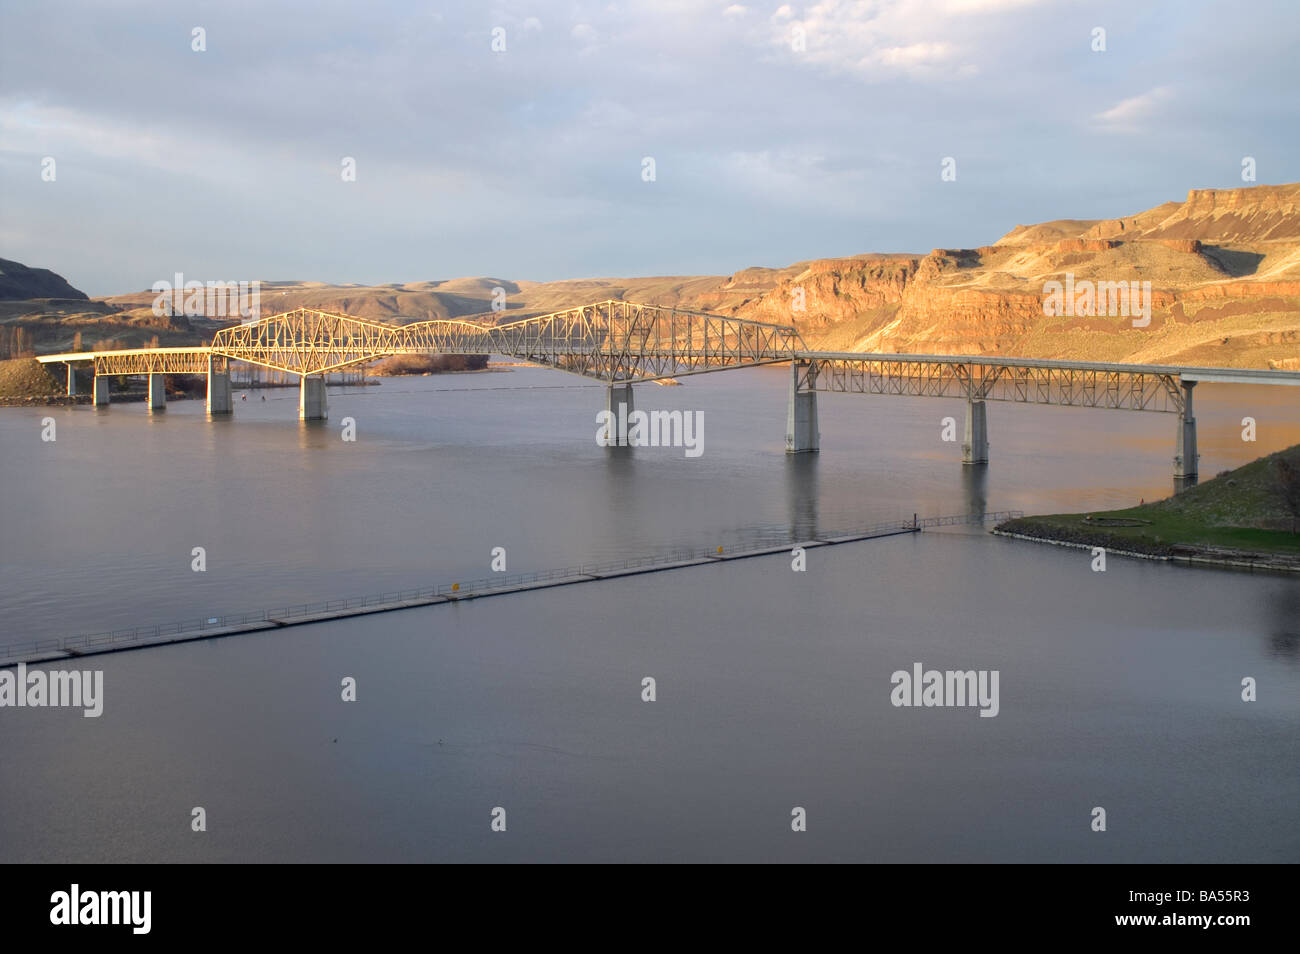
column 610, row 341
column 1021, row 380
column 620, row 342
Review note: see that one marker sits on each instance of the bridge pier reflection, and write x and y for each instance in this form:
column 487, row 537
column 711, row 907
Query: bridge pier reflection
column 975, row 486
column 802, row 495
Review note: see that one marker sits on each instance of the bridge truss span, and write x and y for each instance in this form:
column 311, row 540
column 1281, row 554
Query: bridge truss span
column 151, row 361
column 612, row 341
column 620, row 341
column 1068, row 384
column 306, row 342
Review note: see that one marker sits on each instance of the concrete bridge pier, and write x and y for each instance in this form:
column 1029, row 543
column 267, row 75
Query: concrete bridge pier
column 1185, row 455
column 72, row 380
column 975, row 447
column 157, row 393
column 101, row 390
column 312, row 405
column 618, row 401
column 219, row 398
column 801, row 433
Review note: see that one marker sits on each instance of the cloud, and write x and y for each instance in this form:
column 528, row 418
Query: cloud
column 1129, row 115
column 916, row 39
column 988, row 6
column 31, row 129
column 914, row 55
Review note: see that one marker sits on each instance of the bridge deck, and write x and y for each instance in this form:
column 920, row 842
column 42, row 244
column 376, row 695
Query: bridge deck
column 74, row 356
column 1188, row 373
column 1183, row 371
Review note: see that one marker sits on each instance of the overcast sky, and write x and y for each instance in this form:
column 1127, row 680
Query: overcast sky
column 226, row 164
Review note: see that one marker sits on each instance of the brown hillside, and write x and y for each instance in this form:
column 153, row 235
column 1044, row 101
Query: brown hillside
column 1223, row 265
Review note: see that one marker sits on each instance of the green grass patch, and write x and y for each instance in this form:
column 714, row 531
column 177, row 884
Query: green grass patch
column 1244, row 509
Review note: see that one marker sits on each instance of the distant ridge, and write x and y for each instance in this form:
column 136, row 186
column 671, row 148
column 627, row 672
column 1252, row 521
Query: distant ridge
column 19, row 282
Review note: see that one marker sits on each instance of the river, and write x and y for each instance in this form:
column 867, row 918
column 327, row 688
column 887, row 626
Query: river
column 1119, row 690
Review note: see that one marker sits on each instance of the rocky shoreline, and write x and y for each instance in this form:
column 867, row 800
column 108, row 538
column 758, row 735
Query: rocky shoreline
column 46, row 400
column 1027, row 528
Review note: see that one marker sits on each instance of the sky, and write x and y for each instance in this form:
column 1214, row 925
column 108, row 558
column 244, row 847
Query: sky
column 603, row 139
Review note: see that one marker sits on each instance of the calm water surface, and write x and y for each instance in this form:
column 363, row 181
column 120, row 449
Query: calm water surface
column 1119, row 690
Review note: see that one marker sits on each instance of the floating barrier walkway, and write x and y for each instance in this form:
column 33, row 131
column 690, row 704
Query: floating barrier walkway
column 70, row 647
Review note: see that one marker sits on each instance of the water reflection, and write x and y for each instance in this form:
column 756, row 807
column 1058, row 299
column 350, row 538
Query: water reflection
column 313, row 435
column 618, row 515
column 801, row 490
column 1284, row 608
column 975, row 485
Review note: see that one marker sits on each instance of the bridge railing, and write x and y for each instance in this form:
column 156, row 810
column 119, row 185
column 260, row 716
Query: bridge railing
column 483, row 586
column 994, row 516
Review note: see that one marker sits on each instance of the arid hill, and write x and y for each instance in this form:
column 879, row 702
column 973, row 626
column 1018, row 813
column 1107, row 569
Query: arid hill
column 18, row 281
column 1223, row 268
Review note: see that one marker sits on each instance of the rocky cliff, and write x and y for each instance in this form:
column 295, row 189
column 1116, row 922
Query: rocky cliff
column 1223, row 270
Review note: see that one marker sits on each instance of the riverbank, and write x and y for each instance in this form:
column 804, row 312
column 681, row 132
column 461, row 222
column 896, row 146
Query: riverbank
column 27, row 381
column 44, row 400
column 1241, row 518
column 494, row 369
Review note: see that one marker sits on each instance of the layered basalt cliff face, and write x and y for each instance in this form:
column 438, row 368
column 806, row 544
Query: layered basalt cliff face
column 1223, row 270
